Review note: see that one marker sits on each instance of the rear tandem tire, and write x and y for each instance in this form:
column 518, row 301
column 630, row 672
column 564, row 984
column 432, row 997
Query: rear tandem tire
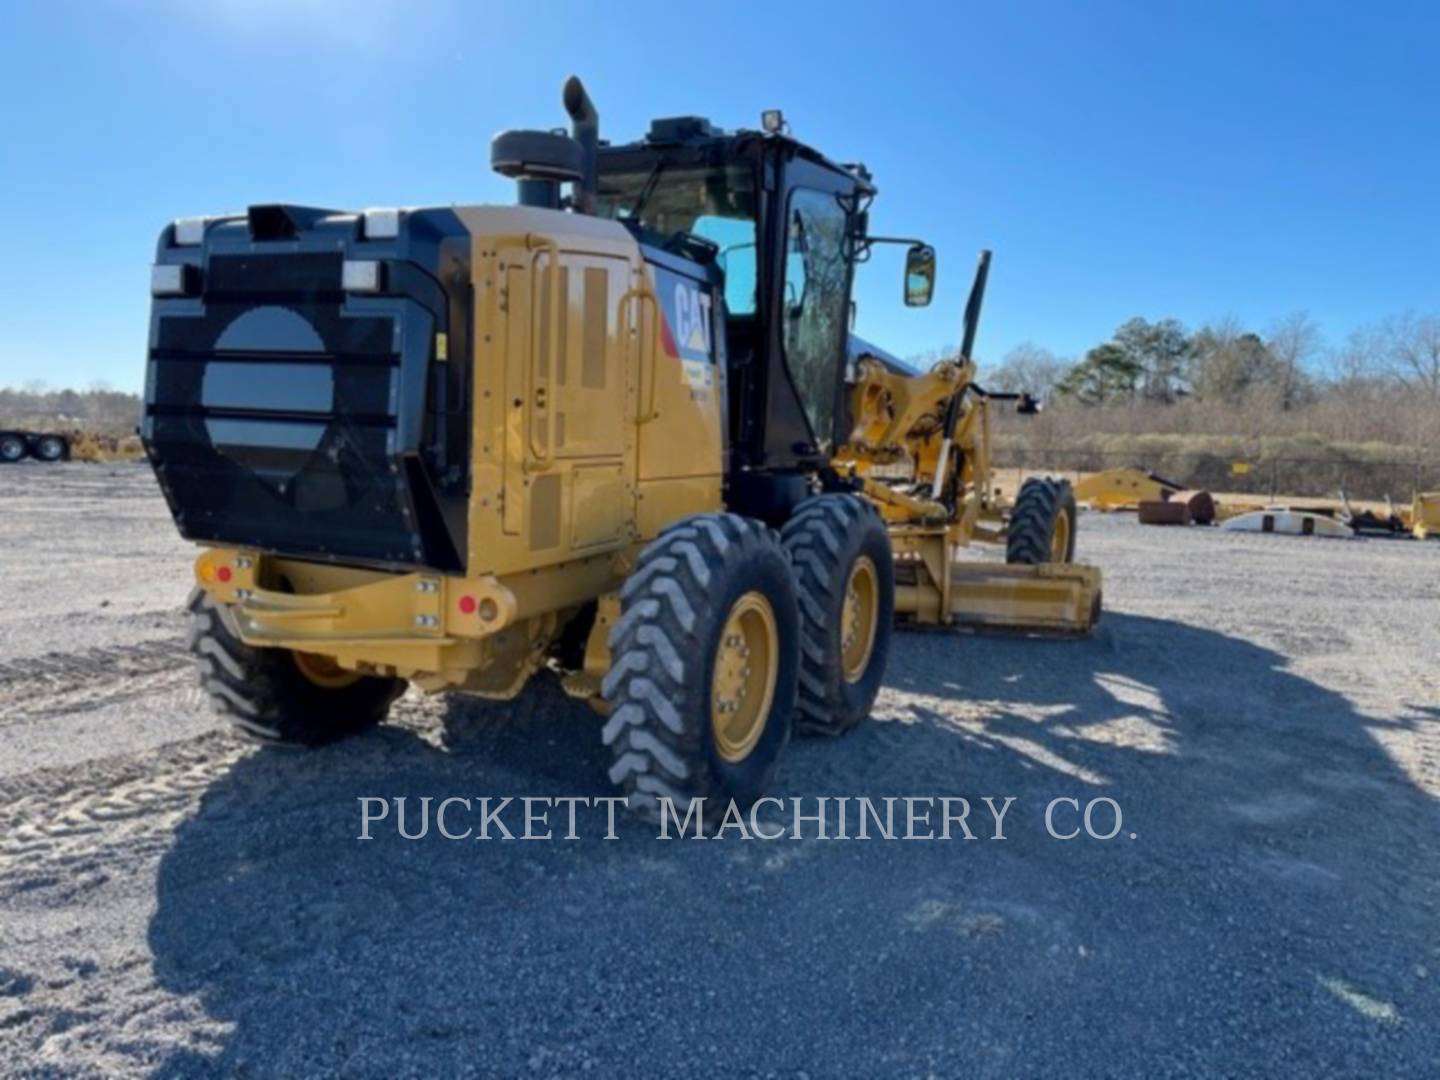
column 50, row 448
column 701, row 686
column 1041, row 528
column 12, row 448
column 845, row 580
column 267, row 695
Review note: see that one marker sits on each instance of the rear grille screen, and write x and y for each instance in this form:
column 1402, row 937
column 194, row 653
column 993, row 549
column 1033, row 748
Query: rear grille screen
column 276, row 419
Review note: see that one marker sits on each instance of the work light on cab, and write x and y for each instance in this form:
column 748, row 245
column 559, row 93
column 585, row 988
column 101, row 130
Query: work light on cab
column 362, row 275
column 381, row 223
column 189, row 231
column 172, row 279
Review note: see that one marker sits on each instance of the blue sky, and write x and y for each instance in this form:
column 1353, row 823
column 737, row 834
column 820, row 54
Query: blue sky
column 1196, row 160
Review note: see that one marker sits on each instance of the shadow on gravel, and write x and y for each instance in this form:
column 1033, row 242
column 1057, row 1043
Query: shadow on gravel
column 1275, row 912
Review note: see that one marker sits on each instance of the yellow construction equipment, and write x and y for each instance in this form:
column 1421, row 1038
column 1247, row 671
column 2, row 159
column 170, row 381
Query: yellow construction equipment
column 621, row 434
column 1425, row 515
column 920, row 447
column 1123, row 489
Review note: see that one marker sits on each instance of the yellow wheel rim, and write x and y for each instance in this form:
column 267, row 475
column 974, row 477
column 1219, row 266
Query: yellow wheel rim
column 747, row 662
column 1060, row 538
column 858, row 619
column 323, row 671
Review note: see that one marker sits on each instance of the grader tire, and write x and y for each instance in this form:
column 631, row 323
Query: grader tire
column 268, row 695
column 845, row 581
column 13, row 447
column 701, row 687
column 1042, row 523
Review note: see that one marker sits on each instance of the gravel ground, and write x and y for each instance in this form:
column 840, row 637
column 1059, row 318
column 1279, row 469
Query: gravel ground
column 1265, row 710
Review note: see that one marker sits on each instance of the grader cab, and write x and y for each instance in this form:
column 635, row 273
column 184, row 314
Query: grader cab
column 622, row 434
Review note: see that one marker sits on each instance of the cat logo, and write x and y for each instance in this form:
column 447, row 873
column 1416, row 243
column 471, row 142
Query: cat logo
column 692, row 321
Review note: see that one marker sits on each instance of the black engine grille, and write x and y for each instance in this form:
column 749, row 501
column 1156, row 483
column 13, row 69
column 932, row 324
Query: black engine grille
column 280, row 417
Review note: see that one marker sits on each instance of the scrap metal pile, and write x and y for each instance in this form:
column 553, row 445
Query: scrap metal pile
column 1158, row 501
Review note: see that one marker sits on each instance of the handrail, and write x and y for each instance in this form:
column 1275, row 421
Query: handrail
column 647, row 349
column 540, row 403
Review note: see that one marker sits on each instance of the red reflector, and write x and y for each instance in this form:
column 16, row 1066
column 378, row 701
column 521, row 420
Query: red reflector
column 223, row 573
column 467, row 605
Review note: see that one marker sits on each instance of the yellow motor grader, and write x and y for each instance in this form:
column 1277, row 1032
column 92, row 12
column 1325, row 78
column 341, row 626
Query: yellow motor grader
column 620, row 432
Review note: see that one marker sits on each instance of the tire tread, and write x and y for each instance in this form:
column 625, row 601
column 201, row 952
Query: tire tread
column 264, row 697
column 669, row 604
column 1032, row 519
column 815, row 538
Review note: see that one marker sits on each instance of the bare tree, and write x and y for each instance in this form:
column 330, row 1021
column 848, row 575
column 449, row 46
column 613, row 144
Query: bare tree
column 1358, row 360
column 1411, row 346
column 1228, row 363
column 1294, row 342
column 1029, row 369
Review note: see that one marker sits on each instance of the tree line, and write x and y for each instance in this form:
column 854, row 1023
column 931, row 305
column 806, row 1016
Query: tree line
column 1381, row 385
column 98, row 409
column 1291, row 364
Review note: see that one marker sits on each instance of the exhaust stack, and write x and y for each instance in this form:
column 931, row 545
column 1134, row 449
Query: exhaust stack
column 585, row 130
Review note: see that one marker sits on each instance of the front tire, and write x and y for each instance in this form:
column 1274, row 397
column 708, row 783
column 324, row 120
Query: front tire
column 701, row 687
column 845, row 580
column 1041, row 528
column 280, row 696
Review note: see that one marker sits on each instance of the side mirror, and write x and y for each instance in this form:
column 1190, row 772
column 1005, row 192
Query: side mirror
column 919, row 275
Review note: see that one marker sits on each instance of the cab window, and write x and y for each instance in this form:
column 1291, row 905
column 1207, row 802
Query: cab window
column 714, row 202
column 736, row 240
column 815, row 304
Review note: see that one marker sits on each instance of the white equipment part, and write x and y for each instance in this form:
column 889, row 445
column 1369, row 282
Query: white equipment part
column 1279, row 519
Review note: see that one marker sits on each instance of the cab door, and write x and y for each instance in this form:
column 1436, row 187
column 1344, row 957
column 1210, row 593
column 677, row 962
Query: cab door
column 815, row 300
column 807, row 262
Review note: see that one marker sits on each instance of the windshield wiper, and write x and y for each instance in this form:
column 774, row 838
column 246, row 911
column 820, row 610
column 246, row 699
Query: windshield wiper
column 648, row 188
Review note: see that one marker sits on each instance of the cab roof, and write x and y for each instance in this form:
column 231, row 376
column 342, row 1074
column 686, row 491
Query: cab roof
column 698, row 133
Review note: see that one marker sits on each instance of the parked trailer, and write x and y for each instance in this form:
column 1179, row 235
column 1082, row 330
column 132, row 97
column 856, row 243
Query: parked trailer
column 42, row 445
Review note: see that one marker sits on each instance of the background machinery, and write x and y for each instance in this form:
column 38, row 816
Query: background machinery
column 42, row 445
column 621, row 433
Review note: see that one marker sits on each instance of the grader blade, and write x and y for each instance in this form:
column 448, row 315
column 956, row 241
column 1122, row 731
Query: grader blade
column 1053, row 598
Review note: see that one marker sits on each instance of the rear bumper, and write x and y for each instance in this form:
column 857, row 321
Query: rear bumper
column 406, row 624
column 484, row 633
